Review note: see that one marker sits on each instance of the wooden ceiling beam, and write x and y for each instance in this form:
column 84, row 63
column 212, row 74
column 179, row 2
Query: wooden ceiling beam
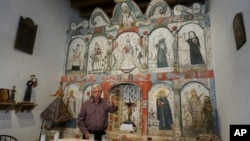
column 87, row 14
column 86, row 7
column 86, row 3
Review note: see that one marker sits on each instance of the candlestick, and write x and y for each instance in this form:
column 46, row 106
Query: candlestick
column 56, row 136
column 43, row 137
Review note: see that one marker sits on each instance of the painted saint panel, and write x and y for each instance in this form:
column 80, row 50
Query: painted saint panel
column 72, row 99
column 126, row 14
column 76, row 51
column 191, row 43
column 194, row 115
column 160, row 109
column 128, row 55
column 160, row 55
column 97, row 55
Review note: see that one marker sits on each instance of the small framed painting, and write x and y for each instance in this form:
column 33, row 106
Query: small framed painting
column 4, row 95
column 26, row 35
column 239, row 30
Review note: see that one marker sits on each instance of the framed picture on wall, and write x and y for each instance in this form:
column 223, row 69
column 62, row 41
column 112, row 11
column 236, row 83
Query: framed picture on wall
column 239, row 30
column 26, row 34
column 4, row 95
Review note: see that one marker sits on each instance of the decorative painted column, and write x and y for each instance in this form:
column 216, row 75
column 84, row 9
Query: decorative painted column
column 177, row 112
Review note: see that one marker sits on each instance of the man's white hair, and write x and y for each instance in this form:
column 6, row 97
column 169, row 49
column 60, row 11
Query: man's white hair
column 95, row 85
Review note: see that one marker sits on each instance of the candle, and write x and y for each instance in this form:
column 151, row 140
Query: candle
column 91, row 137
column 56, row 136
column 43, row 137
column 104, row 138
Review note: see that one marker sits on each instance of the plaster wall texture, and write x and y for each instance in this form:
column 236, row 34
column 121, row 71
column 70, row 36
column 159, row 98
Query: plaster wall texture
column 231, row 67
column 46, row 62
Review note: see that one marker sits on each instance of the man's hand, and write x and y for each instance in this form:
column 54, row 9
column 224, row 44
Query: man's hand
column 114, row 101
column 87, row 136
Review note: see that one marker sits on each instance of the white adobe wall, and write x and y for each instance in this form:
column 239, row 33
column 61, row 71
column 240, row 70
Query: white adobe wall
column 53, row 18
column 232, row 67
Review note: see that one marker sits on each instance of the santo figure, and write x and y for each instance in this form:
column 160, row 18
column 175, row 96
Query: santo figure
column 31, row 83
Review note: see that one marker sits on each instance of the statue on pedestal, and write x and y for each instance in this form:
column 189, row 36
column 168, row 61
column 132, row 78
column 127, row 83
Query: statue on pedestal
column 12, row 94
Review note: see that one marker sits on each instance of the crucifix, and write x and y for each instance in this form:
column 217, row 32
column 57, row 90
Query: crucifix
column 130, row 94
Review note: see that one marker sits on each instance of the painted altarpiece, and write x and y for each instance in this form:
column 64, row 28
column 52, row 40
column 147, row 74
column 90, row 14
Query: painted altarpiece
column 161, row 59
